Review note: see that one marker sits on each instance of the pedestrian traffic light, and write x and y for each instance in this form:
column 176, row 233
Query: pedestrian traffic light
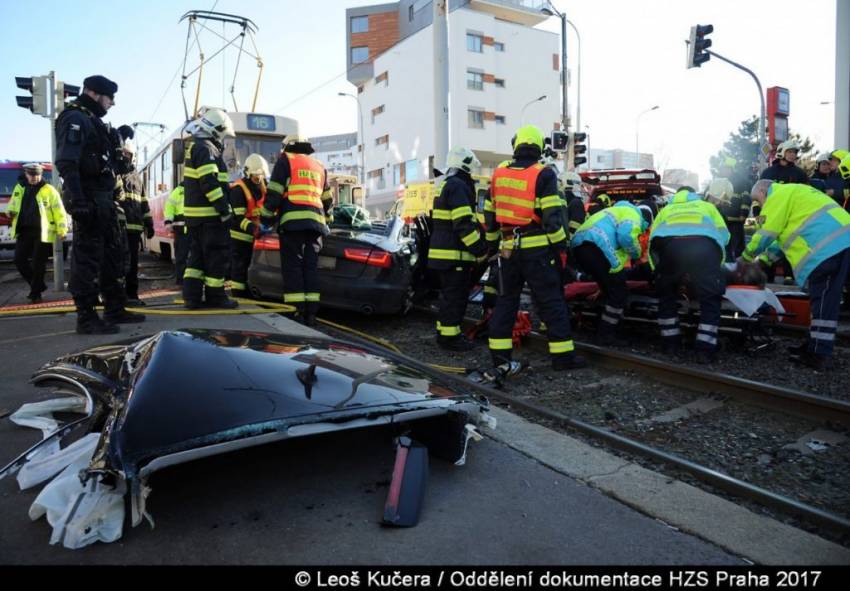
column 698, row 45
column 579, row 149
column 559, row 141
column 39, row 102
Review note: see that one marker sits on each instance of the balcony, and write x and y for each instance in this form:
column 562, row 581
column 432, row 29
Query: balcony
column 523, row 12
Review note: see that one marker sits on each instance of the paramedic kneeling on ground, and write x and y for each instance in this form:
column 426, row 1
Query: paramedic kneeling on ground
column 813, row 232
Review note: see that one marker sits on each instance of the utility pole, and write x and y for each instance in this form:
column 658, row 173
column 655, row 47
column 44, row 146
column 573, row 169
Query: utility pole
column 441, row 82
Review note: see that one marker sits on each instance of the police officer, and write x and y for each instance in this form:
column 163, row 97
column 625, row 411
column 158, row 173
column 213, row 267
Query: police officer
column 175, row 222
column 687, row 243
column 38, row 217
column 813, row 232
column 86, row 161
column 246, row 197
column 299, row 198
column 532, row 250
column 457, row 243
column 207, row 212
column 134, row 202
column 601, row 247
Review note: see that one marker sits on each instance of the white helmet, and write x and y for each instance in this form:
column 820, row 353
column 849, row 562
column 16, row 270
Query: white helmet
column 129, row 146
column 256, row 165
column 216, row 123
column 570, row 179
column 785, row 146
column 823, row 157
column 462, row 159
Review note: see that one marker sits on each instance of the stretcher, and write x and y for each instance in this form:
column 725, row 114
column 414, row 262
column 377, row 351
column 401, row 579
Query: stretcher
column 748, row 313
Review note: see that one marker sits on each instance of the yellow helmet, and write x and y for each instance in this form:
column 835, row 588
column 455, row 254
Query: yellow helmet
column 529, row 134
column 844, row 167
column 839, row 154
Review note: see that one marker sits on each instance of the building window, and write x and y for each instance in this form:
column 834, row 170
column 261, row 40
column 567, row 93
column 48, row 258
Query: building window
column 359, row 24
column 376, row 179
column 410, row 13
column 500, row 83
column 500, row 119
column 383, row 78
column 474, row 80
column 397, row 178
column 498, row 46
column 474, row 42
column 377, row 111
column 383, row 140
column 476, row 118
column 359, row 55
column 411, row 171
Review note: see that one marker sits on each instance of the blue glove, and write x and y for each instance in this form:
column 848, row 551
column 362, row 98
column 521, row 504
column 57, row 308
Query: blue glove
column 264, row 229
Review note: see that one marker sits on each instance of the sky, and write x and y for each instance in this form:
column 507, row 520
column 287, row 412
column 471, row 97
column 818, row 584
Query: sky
column 632, row 58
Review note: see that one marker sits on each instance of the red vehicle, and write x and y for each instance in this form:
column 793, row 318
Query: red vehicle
column 10, row 172
column 620, row 184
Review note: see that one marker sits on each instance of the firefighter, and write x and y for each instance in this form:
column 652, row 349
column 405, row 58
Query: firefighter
column 601, row 247
column 38, row 217
column 813, row 232
column 837, row 158
column 784, row 169
column 207, row 212
column 575, row 206
column 299, row 198
column 532, row 250
column 86, row 161
column 721, row 192
column 457, row 244
column 598, row 203
column 246, row 197
column 137, row 213
column 687, row 243
column 175, row 222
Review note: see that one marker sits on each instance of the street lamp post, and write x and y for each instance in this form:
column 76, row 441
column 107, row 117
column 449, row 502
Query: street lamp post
column 565, row 111
column 528, row 104
column 362, row 134
column 578, row 76
column 637, row 132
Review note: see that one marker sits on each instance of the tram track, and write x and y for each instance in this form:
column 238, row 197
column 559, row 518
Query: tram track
column 777, row 398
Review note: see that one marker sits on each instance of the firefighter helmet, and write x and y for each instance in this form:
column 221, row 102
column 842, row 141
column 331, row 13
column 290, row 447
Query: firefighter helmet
column 785, row 146
column 216, row 123
column 844, row 167
column 529, row 134
column 256, row 165
column 462, row 159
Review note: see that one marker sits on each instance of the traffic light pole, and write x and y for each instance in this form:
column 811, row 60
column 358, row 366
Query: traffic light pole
column 762, row 115
column 52, row 101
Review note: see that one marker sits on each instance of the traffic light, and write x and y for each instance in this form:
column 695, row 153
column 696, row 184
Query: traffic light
column 64, row 92
column 39, row 102
column 698, row 45
column 559, row 141
column 579, row 149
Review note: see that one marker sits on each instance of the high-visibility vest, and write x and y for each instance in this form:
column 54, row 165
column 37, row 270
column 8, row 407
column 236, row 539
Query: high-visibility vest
column 306, row 181
column 515, row 195
column 51, row 212
column 252, row 206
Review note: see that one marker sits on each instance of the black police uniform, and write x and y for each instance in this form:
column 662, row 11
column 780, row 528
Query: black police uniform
column 207, row 212
column 85, row 159
column 539, row 266
column 301, row 231
column 456, row 242
column 134, row 202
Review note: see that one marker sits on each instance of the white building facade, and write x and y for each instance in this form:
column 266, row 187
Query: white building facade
column 339, row 153
column 498, row 64
column 617, row 158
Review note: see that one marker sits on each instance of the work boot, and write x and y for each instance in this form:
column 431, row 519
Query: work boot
column 34, row 298
column 90, row 323
column 192, row 304
column 456, row 343
column 567, row 361
column 813, row 360
column 224, row 304
column 122, row 316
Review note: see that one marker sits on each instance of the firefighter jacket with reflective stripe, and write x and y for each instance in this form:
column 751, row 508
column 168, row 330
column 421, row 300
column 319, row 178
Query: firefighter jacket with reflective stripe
column 133, row 201
column 206, row 182
column 688, row 215
column 807, row 225
column 576, row 213
column 51, row 212
column 299, row 190
column 528, row 210
column 173, row 210
column 246, row 198
column 457, row 238
column 615, row 231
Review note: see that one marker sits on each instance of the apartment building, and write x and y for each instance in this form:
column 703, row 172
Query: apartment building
column 498, row 65
column 339, row 152
column 617, row 158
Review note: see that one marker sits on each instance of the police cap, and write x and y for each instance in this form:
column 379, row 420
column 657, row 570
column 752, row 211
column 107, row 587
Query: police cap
column 101, row 85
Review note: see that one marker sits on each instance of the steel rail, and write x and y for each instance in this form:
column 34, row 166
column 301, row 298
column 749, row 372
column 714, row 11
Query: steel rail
column 705, row 474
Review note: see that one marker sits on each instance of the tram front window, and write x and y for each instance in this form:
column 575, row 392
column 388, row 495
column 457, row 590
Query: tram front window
column 237, row 150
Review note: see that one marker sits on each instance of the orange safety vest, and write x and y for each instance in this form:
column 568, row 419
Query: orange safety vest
column 514, row 195
column 306, row 181
column 252, row 205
